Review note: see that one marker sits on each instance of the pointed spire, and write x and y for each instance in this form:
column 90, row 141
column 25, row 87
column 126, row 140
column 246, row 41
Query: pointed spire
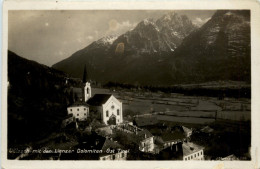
column 85, row 78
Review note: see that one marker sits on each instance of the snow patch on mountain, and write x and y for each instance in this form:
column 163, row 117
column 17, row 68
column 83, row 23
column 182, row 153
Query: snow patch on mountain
column 108, row 40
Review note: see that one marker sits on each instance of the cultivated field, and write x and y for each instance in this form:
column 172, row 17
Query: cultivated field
column 180, row 108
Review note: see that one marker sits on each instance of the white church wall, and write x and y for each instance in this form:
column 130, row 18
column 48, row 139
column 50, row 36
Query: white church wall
column 112, row 107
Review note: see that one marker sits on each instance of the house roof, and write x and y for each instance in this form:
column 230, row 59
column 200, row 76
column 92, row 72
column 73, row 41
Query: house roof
column 141, row 135
column 186, row 130
column 172, row 136
column 109, row 144
column 207, row 129
column 145, row 121
column 158, row 140
column 104, row 131
column 169, row 153
column 112, row 145
column 190, row 148
column 230, row 157
column 78, row 103
column 98, row 99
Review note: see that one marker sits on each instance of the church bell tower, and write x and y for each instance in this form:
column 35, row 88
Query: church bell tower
column 87, row 87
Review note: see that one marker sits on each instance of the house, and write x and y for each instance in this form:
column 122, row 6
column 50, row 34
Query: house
column 187, row 131
column 207, row 130
column 146, row 141
column 170, row 138
column 107, row 108
column 192, row 151
column 231, row 157
column 141, row 137
column 79, row 110
column 104, row 131
column 173, row 152
column 112, row 150
column 96, row 147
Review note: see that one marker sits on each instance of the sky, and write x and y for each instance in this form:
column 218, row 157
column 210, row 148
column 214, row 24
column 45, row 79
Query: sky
column 52, row 35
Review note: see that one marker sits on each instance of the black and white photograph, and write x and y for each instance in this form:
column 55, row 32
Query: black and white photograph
column 129, row 85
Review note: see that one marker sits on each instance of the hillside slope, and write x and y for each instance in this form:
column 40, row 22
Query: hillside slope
column 37, row 100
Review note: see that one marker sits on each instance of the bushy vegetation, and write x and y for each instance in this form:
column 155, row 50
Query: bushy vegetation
column 37, row 100
column 226, row 139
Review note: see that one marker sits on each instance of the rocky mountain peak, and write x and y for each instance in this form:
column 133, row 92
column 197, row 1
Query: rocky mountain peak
column 107, row 40
column 163, row 35
column 146, row 24
column 171, row 50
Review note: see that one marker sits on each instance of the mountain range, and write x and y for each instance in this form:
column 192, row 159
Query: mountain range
column 170, row 50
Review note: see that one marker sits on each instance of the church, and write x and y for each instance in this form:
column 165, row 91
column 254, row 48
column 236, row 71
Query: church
column 105, row 106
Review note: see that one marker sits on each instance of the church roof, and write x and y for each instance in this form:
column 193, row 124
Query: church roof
column 98, row 99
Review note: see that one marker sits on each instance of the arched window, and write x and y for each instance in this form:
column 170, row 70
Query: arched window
column 107, row 113
column 87, row 90
column 118, row 112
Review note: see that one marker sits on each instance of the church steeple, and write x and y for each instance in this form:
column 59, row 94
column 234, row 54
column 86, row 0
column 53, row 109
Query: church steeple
column 85, row 76
column 87, row 87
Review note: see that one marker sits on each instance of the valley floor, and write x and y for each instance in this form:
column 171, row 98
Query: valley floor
column 229, row 119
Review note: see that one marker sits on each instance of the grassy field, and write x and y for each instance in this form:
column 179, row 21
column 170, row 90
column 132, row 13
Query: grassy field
column 181, row 108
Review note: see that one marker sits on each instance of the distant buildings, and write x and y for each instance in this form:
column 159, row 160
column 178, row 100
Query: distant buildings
column 171, row 136
column 105, row 106
column 231, row 157
column 96, row 147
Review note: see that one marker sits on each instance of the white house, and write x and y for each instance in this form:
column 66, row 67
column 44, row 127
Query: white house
column 187, row 131
column 79, row 110
column 192, row 151
column 108, row 108
column 146, row 143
